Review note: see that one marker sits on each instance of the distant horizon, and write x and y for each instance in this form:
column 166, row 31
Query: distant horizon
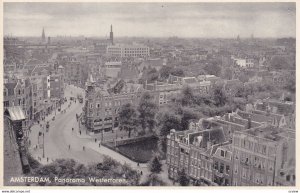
column 186, row 20
column 159, row 37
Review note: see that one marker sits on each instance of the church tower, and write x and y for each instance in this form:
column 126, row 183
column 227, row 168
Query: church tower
column 111, row 35
column 43, row 36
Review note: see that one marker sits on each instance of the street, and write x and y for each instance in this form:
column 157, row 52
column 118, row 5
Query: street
column 60, row 135
column 63, row 142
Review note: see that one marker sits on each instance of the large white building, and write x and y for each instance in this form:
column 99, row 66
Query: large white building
column 128, row 50
column 244, row 62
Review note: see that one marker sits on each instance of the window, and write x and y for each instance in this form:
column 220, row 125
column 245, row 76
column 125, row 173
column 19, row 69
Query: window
column 6, row 103
column 221, row 167
column 216, row 165
column 222, row 153
column 227, row 169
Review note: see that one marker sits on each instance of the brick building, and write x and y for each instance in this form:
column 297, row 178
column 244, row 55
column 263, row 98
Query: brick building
column 18, row 92
column 101, row 108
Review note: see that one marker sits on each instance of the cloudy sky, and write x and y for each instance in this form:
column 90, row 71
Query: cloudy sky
column 151, row 19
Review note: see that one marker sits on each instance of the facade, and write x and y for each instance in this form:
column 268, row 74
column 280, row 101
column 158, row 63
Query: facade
column 73, row 70
column 258, row 154
column 47, row 90
column 244, row 62
column 101, row 108
column 164, row 92
column 112, row 69
column 257, row 149
column 133, row 50
column 18, row 92
column 222, row 166
column 191, row 151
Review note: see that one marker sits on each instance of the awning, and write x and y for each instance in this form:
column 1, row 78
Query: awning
column 16, row 113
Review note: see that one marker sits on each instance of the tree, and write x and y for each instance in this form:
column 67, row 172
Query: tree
column 279, row 63
column 166, row 120
column 183, row 180
column 177, row 72
column 165, row 71
column 147, row 110
column 154, row 180
column 219, row 95
column 128, row 118
column 34, row 164
column 188, row 114
column 70, row 169
column 187, row 96
column 213, row 68
column 227, row 74
column 155, row 165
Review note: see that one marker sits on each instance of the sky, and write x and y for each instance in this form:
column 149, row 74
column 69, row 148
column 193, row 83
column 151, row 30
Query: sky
column 201, row 20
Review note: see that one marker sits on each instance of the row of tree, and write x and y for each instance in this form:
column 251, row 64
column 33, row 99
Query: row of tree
column 140, row 118
column 70, row 169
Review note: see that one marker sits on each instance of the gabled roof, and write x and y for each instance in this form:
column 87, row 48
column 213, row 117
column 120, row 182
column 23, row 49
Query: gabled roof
column 10, row 88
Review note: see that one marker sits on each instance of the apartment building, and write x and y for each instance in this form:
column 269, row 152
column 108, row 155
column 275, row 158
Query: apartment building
column 101, row 108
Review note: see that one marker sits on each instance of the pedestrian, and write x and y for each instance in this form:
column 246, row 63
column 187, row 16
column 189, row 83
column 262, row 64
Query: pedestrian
column 69, row 147
column 95, row 140
column 47, row 159
column 141, row 172
column 138, row 164
column 80, row 132
column 72, row 129
column 83, row 148
column 99, row 144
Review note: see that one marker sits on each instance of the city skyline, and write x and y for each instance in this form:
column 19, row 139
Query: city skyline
column 189, row 20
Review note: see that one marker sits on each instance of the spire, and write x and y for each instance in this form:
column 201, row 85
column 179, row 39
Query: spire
column 111, row 35
column 43, row 35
